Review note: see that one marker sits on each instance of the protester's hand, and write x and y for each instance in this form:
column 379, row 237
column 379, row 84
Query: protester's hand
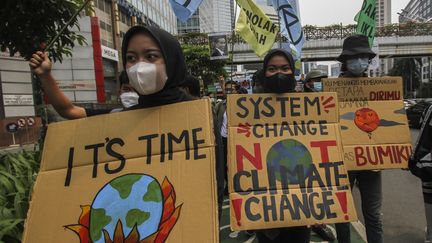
column 40, row 64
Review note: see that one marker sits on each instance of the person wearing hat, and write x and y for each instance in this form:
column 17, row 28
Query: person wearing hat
column 355, row 58
column 313, row 81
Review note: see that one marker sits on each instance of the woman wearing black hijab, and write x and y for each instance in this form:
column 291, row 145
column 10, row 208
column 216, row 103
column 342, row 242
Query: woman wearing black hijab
column 277, row 76
column 154, row 62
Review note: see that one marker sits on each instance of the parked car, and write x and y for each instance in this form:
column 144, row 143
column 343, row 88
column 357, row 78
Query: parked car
column 409, row 102
column 416, row 113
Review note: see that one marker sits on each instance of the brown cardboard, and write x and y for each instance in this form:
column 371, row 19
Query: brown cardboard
column 374, row 126
column 177, row 189
column 360, row 89
column 261, row 150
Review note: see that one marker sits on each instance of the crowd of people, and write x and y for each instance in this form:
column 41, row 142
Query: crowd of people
column 155, row 74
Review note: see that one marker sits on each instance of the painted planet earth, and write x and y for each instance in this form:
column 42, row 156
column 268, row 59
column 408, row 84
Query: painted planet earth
column 134, row 199
column 289, row 153
column 366, row 120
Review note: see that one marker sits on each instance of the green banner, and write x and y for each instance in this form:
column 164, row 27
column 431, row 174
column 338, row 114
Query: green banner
column 366, row 20
column 211, row 88
column 255, row 27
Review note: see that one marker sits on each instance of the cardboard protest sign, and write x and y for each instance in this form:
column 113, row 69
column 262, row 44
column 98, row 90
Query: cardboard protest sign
column 285, row 161
column 374, row 126
column 139, row 176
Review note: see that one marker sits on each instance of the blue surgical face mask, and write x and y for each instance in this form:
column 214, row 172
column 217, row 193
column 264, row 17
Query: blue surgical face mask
column 358, row 66
column 318, row 86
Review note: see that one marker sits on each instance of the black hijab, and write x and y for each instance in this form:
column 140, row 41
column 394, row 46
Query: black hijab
column 280, row 52
column 260, row 75
column 174, row 63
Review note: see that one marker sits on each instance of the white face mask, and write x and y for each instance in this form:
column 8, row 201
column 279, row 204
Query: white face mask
column 357, row 66
column 147, row 78
column 129, row 99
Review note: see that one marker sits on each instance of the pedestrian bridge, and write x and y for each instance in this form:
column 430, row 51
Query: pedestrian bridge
column 325, row 43
column 328, row 50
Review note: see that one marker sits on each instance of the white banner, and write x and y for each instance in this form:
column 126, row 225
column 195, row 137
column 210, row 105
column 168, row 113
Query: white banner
column 109, row 53
column 18, row 100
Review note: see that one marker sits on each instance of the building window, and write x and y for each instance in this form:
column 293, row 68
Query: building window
column 125, row 18
column 102, row 25
column 103, row 5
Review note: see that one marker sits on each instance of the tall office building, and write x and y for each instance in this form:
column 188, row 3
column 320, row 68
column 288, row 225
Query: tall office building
column 212, row 16
column 192, row 25
column 417, row 10
column 383, row 12
column 222, row 15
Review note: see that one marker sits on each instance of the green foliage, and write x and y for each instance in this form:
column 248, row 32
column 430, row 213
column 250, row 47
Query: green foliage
column 17, row 175
column 196, row 50
column 26, row 24
column 410, row 71
column 199, row 64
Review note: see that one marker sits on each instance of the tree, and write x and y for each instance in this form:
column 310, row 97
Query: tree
column 196, row 50
column 25, row 25
column 199, row 64
column 410, row 70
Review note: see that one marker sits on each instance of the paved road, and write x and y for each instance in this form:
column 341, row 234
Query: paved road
column 403, row 210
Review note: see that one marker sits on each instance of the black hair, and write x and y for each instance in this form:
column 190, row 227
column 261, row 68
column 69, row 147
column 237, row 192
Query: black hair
column 242, row 90
column 215, row 40
column 123, row 78
column 230, row 82
column 192, row 84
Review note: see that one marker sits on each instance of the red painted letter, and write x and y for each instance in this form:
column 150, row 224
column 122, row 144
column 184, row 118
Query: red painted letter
column 255, row 160
column 359, row 155
column 323, row 145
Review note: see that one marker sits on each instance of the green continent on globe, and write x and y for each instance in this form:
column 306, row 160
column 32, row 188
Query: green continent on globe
column 124, row 184
column 289, row 154
column 153, row 193
column 136, row 217
column 98, row 221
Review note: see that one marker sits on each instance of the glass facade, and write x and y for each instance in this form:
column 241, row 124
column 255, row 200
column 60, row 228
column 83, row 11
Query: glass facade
column 191, row 25
column 212, row 16
column 417, row 10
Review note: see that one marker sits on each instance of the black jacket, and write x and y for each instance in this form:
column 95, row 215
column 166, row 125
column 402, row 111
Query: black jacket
column 420, row 164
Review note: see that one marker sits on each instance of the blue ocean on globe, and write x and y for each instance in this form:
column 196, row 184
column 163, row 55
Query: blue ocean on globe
column 289, row 153
column 134, row 199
